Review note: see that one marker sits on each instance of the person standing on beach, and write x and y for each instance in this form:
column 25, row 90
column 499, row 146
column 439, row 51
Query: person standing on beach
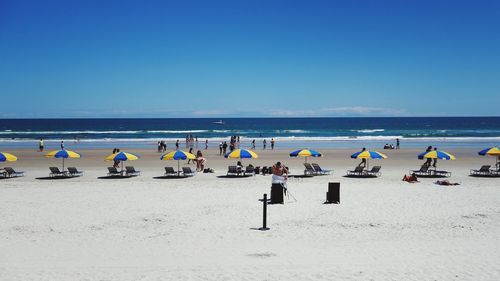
column 62, row 144
column 272, row 144
column 363, row 161
column 206, row 144
column 177, row 145
column 429, row 160
column 253, row 144
column 190, row 151
column 434, row 163
column 397, row 143
column 220, row 148
column 224, row 148
column 159, row 146
column 40, row 145
column 264, row 144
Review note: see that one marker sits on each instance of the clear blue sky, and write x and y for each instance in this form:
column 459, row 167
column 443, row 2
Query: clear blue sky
column 249, row 58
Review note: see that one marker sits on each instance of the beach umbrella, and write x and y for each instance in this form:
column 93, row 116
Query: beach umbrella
column 305, row 153
column 63, row 154
column 4, row 156
column 368, row 154
column 436, row 154
column 177, row 155
column 121, row 156
column 492, row 151
column 241, row 153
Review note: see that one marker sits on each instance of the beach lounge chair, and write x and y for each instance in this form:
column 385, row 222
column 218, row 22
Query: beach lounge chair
column 249, row 170
column 113, row 172
column 187, row 172
column 55, row 172
column 374, row 172
column 440, row 174
column 357, row 172
column 10, row 173
column 309, row 170
column 130, row 171
column 232, row 171
column 170, row 172
column 423, row 172
column 484, row 171
column 320, row 171
column 72, row 171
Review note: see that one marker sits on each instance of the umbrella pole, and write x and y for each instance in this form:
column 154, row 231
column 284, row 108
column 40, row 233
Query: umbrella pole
column 63, row 165
column 178, row 168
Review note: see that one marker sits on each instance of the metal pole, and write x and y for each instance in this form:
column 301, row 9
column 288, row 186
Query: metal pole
column 264, row 218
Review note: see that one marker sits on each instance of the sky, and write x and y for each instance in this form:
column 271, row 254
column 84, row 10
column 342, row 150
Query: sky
column 249, row 58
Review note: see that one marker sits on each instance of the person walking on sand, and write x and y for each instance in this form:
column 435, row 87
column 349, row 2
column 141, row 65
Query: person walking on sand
column 224, row 148
column 272, row 144
column 206, row 144
column 363, row 160
column 190, row 151
column 435, row 160
column 40, row 145
column 253, row 144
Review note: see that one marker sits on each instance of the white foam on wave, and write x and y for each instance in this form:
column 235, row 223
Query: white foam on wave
column 366, row 131
column 280, row 139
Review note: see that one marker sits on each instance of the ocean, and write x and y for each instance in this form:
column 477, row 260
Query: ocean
column 287, row 132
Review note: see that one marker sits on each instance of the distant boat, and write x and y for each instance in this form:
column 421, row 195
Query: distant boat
column 220, row 122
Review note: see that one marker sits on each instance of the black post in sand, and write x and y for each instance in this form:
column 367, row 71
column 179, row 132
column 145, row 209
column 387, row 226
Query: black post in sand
column 264, row 218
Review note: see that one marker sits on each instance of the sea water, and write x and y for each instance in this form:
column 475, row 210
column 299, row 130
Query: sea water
column 477, row 132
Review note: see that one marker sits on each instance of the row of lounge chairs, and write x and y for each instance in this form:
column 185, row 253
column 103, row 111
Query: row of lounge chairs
column 70, row 173
column 314, row 169
column 128, row 172
column 485, row 171
column 426, row 172
column 9, row 172
column 360, row 172
column 186, row 172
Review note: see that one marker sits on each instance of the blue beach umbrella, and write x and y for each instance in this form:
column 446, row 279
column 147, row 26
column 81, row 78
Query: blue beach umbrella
column 305, row 153
column 4, row 156
column 63, row 154
column 177, row 155
column 436, row 154
column 241, row 153
column 121, row 156
column 368, row 154
column 492, row 151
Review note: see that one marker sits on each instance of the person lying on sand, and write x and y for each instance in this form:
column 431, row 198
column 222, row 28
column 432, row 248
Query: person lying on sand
column 411, row 178
column 446, row 182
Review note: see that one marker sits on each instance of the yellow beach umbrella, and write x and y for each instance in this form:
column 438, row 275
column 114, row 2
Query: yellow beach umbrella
column 4, row 156
column 63, row 154
column 178, row 155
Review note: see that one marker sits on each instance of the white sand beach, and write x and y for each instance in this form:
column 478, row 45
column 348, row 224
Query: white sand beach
column 205, row 227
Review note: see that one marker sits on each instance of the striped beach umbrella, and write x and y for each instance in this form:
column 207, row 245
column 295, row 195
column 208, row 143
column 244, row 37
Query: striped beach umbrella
column 4, row 156
column 241, row 153
column 492, row 151
column 436, row 154
column 177, row 155
column 305, row 153
column 121, row 156
column 63, row 154
column 368, row 154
